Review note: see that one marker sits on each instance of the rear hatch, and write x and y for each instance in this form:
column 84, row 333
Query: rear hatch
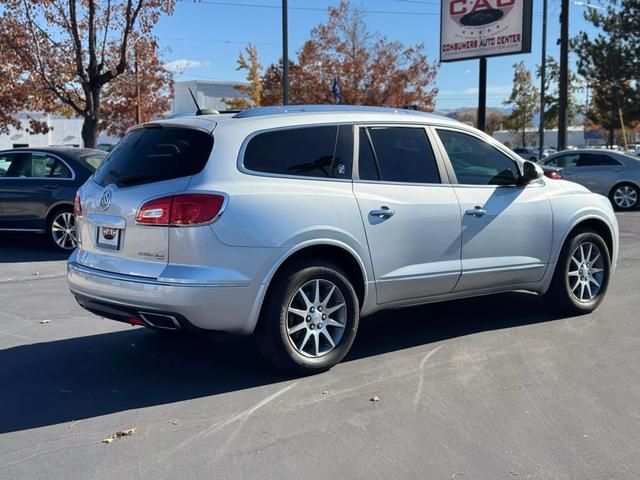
column 149, row 162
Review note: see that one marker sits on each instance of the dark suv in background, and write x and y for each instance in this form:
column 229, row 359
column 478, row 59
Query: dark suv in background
column 38, row 187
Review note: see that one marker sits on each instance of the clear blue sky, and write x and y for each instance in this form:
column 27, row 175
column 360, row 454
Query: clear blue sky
column 207, row 37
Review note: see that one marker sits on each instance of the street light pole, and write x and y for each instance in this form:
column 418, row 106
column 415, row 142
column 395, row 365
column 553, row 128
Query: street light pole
column 543, row 80
column 285, row 55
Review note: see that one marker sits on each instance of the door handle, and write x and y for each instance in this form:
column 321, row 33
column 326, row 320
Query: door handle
column 476, row 212
column 51, row 186
column 382, row 212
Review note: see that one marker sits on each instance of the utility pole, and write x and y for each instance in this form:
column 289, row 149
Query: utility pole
column 482, row 95
column 135, row 67
column 285, row 55
column 564, row 75
column 543, row 73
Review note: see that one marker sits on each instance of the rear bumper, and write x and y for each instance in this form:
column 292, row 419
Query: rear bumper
column 223, row 306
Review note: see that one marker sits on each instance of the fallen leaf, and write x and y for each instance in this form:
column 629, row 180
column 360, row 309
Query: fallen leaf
column 120, row 433
column 45, row 321
column 375, row 398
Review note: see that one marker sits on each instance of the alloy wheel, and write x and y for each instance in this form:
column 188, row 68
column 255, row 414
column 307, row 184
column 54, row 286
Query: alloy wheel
column 316, row 318
column 64, row 231
column 625, row 196
column 586, row 272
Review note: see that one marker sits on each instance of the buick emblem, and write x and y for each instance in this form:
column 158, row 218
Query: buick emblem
column 105, row 200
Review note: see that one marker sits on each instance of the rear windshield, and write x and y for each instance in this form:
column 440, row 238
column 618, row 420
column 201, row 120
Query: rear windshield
column 149, row 155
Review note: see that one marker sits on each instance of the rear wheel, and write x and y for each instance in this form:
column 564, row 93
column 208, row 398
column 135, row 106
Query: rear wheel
column 310, row 319
column 582, row 273
column 624, row 196
column 62, row 230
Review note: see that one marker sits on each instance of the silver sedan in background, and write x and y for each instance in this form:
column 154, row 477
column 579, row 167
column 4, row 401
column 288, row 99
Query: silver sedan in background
column 610, row 173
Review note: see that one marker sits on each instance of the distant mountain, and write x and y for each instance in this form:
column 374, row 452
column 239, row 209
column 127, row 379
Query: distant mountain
column 455, row 112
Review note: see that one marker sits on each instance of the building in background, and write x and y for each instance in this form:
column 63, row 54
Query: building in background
column 209, row 95
column 67, row 130
column 576, row 137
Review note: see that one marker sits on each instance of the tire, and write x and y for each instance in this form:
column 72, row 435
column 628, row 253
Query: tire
column 624, row 196
column 288, row 340
column 567, row 293
column 61, row 229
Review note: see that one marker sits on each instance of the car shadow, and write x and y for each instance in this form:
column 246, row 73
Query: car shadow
column 20, row 248
column 65, row 380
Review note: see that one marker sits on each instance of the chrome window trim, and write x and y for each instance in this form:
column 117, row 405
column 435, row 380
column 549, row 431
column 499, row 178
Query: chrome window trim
column 52, row 155
column 256, row 173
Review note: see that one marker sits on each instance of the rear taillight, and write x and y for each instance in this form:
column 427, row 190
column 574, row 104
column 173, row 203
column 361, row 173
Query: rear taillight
column 77, row 206
column 185, row 209
column 155, row 212
column 554, row 175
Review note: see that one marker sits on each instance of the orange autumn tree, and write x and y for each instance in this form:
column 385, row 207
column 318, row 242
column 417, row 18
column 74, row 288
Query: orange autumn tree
column 64, row 53
column 137, row 97
column 370, row 69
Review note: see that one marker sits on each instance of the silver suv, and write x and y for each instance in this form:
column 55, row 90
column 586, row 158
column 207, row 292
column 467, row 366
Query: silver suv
column 291, row 223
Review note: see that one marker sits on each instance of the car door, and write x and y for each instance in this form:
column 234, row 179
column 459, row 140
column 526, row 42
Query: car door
column 596, row 171
column 31, row 184
column 410, row 213
column 506, row 228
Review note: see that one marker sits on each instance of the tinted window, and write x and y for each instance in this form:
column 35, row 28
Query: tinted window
column 400, row 154
column 595, row 160
column 475, row 162
column 563, row 161
column 307, row 152
column 33, row 165
column 152, row 154
column 367, row 167
column 92, row 160
column 5, row 164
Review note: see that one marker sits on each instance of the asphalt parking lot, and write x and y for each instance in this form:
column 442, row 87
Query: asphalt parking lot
column 487, row 388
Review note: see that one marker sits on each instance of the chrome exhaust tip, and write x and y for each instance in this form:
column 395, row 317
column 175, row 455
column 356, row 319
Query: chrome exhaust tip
column 158, row 320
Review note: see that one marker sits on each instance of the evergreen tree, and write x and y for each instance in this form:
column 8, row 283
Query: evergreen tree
column 611, row 64
column 523, row 102
column 552, row 94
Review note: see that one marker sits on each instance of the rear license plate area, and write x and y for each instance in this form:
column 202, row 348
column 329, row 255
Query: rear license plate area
column 109, row 237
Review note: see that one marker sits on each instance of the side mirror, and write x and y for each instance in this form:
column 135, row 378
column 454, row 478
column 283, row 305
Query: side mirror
column 530, row 172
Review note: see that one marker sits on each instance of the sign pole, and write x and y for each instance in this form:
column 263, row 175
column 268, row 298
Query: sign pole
column 482, row 94
column 543, row 80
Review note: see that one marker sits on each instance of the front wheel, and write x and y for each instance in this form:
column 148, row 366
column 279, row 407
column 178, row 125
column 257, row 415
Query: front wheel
column 582, row 274
column 310, row 319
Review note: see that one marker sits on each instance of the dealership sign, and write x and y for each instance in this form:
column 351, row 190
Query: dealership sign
column 484, row 28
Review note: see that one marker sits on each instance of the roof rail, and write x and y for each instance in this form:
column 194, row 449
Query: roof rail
column 263, row 111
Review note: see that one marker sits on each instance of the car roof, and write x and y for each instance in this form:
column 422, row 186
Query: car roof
column 308, row 114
